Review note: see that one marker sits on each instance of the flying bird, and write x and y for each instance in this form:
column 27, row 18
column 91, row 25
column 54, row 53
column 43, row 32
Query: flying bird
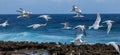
column 77, row 10
column 4, row 24
column 78, row 40
column 35, row 26
column 82, row 27
column 23, row 13
column 115, row 46
column 109, row 23
column 66, row 25
column 96, row 24
column 46, row 17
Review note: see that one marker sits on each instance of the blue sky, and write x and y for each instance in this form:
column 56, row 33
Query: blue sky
column 59, row 6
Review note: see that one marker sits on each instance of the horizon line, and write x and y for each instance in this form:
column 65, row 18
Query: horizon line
column 73, row 13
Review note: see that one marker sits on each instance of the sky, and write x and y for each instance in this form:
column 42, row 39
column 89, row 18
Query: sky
column 59, row 6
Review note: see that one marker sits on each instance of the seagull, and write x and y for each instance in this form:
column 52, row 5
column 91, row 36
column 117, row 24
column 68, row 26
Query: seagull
column 4, row 24
column 109, row 23
column 24, row 13
column 46, row 17
column 35, row 26
column 77, row 10
column 66, row 25
column 82, row 27
column 96, row 23
column 78, row 40
column 114, row 45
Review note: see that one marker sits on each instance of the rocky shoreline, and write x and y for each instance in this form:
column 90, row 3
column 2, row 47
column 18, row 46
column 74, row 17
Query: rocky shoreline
column 15, row 48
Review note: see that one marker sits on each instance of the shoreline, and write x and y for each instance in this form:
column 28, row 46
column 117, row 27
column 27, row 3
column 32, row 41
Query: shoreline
column 52, row 48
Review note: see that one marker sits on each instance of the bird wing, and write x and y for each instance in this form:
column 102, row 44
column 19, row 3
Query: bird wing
column 84, row 32
column 109, row 27
column 65, row 25
column 97, row 20
column 115, row 46
column 79, row 10
column 46, row 19
column 44, row 15
column 79, row 36
column 49, row 17
column 6, row 22
column 21, row 9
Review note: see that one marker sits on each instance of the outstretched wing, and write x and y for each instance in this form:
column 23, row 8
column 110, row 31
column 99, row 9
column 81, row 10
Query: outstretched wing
column 115, row 46
column 78, row 36
column 109, row 27
column 97, row 20
column 84, row 32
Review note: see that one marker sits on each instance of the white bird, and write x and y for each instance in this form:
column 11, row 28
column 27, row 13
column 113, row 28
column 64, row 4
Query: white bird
column 115, row 46
column 96, row 24
column 24, row 13
column 46, row 17
column 77, row 10
column 78, row 40
column 35, row 26
column 82, row 27
column 4, row 24
column 109, row 23
column 66, row 25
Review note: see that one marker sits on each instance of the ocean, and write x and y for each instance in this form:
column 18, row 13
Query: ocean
column 53, row 32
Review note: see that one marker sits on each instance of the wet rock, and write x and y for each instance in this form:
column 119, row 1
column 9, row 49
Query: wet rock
column 8, row 48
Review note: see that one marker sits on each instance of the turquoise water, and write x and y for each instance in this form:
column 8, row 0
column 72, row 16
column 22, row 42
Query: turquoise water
column 53, row 32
